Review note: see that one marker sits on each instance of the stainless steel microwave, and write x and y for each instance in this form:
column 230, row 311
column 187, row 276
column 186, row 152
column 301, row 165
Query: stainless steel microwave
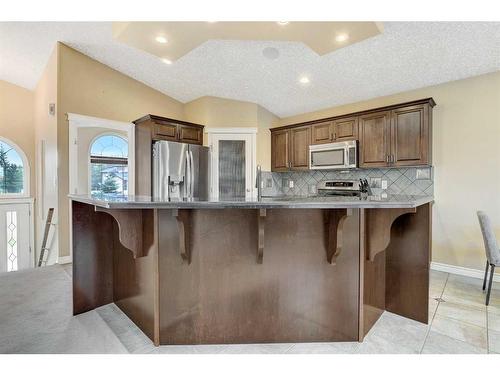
column 338, row 155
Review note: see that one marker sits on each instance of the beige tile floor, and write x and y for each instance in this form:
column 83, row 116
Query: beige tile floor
column 35, row 311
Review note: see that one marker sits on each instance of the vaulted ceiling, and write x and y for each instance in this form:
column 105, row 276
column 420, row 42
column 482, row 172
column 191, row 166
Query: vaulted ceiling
column 274, row 74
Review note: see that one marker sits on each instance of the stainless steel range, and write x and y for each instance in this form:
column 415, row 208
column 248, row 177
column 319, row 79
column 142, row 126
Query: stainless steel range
column 343, row 187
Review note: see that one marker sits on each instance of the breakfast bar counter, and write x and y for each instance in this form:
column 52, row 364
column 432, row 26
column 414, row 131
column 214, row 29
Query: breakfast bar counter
column 280, row 269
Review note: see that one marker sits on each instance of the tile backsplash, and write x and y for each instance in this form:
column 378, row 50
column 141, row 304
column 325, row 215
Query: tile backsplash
column 398, row 180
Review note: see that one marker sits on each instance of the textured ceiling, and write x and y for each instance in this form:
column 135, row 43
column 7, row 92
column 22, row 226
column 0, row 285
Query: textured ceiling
column 406, row 56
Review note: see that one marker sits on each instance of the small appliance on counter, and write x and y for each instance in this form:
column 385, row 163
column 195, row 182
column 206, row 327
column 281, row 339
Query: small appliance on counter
column 344, row 187
column 337, row 155
column 180, row 171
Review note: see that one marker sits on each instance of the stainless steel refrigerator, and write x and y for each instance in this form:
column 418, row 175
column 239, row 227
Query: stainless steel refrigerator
column 180, row 171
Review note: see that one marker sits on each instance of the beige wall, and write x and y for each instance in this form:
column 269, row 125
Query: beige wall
column 46, row 170
column 17, row 122
column 218, row 112
column 90, row 88
column 466, row 157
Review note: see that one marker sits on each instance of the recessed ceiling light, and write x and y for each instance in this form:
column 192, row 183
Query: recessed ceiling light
column 161, row 39
column 304, row 80
column 282, row 23
column 341, row 37
column 167, row 61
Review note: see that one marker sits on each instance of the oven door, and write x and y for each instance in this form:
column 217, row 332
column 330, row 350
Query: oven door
column 327, row 158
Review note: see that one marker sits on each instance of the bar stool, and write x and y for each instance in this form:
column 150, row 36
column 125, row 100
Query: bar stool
column 491, row 248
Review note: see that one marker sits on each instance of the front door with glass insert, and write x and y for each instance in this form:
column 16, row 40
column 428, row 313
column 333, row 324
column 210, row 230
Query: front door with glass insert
column 15, row 251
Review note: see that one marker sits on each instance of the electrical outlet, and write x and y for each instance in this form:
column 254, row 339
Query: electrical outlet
column 375, row 182
column 384, row 184
column 290, row 184
column 423, row 174
column 269, row 182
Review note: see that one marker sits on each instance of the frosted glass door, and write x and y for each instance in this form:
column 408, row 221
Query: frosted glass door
column 232, row 166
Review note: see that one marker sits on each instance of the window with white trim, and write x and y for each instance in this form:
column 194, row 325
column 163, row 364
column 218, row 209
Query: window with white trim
column 109, row 165
column 13, row 170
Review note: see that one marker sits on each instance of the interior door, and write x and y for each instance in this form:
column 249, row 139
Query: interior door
column 15, row 232
column 233, row 166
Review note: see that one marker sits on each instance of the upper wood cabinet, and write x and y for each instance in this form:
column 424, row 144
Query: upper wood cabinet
column 322, row 133
column 290, row 149
column 280, row 147
column 393, row 136
column 343, row 129
column 374, row 133
column 300, row 139
column 397, row 138
column 410, row 136
column 166, row 129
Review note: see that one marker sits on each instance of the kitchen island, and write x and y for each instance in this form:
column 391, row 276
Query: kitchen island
column 275, row 270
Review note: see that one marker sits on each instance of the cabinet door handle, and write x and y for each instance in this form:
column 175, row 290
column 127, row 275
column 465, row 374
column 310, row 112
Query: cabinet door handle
column 387, row 158
column 392, row 159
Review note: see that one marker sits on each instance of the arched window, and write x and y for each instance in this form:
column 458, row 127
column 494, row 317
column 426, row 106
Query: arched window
column 109, row 165
column 14, row 170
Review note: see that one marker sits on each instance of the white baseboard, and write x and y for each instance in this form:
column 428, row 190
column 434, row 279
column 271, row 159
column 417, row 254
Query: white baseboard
column 463, row 271
column 64, row 260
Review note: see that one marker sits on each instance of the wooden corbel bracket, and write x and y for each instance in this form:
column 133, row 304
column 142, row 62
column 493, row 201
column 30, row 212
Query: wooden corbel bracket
column 261, row 221
column 129, row 228
column 183, row 222
column 378, row 228
column 335, row 225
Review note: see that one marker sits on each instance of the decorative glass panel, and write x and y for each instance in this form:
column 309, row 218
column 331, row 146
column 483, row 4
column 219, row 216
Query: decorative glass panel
column 11, row 240
column 11, row 170
column 231, row 169
column 109, row 166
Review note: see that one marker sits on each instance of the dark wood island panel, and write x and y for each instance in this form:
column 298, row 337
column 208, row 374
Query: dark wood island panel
column 214, row 276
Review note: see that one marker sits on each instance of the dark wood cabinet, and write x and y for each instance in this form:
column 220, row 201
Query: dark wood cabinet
column 345, row 129
column 394, row 136
column 280, row 147
column 190, row 134
column 152, row 128
column 290, row 149
column 374, row 131
column 300, row 139
column 322, row 133
column 410, row 137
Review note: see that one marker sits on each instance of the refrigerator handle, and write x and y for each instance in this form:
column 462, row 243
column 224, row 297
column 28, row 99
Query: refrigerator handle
column 187, row 187
column 191, row 191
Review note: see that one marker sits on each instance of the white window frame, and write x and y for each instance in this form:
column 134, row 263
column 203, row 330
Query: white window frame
column 105, row 133
column 26, row 172
column 241, row 133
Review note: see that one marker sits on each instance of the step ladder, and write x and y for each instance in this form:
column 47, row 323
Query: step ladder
column 44, row 252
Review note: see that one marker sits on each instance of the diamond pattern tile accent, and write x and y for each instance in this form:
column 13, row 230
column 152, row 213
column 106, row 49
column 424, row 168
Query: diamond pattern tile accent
column 399, row 180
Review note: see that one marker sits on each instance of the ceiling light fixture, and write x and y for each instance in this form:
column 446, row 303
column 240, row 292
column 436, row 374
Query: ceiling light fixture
column 304, row 80
column 167, row 61
column 161, row 39
column 341, row 37
column 282, row 23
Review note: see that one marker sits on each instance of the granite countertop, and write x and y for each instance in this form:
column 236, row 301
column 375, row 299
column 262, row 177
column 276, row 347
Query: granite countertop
column 138, row 202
